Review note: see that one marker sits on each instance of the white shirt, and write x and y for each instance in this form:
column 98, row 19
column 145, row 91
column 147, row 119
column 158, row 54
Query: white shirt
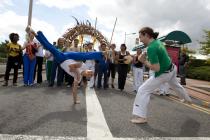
column 65, row 66
column 27, row 43
column 48, row 55
column 40, row 52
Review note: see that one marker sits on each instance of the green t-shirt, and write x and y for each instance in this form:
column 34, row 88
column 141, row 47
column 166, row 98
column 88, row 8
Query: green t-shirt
column 157, row 53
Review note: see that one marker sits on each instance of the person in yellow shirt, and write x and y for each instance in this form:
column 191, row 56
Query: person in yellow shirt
column 14, row 58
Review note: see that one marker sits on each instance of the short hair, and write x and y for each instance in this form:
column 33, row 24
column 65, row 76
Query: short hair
column 113, row 45
column 103, row 43
column 123, row 45
column 12, row 35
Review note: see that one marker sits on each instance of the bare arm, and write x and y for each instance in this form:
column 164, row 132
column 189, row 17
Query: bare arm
column 154, row 67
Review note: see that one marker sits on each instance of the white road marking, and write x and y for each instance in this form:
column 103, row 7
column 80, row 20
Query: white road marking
column 96, row 123
column 33, row 137
column 97, row 128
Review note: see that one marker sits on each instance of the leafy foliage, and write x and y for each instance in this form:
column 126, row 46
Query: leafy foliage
column 201, row 73
column 197, row 63
column 3, row 52
column 187, row 50
column 205, row 45
column 199, row 69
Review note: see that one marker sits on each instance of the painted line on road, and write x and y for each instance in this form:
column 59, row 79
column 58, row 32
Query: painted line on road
column 96, row 123
column 33, row 137
column 194, row 106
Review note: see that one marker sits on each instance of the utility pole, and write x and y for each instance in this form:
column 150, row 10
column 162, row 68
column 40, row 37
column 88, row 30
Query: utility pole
column 30, row 12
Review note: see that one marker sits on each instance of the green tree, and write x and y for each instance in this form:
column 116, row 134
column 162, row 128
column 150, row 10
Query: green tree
column 187, row 50
column 3, row 50
column 205, row 45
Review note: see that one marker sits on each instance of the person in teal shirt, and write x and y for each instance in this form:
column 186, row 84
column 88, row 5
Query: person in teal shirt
column 165, row 72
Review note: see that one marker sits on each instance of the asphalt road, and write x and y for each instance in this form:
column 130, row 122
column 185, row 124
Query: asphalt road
column 43, row 111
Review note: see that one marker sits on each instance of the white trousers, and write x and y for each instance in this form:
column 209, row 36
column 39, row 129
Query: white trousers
column 91, row 66
column 164, row 88
column 137, row 78
column 143, row 96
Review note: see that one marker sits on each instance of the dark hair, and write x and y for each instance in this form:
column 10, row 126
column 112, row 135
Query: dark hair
column 149, row 31
column 103, row 43
column 12, row 35
column 113, row 45
column 90, row 43
column 123, row 45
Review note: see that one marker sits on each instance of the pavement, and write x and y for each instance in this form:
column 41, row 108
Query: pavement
column 43, row 113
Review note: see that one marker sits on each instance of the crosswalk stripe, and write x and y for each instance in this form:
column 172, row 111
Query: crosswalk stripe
column 96, row 123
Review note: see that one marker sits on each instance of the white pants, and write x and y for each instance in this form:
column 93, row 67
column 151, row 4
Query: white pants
column 137, row 78
column 90, row 66
column 143, row 96
column 65, row 66
column 164, row 88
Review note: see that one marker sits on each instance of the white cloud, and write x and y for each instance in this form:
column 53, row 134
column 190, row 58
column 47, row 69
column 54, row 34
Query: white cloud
column 61, row 4
column 4, row 3
column 163, row 15
column 20, row 24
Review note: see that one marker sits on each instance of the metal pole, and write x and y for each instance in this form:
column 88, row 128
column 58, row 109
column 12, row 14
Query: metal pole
column 94, row 36
column 113, row 31
column 125, row 38
column 30, row 12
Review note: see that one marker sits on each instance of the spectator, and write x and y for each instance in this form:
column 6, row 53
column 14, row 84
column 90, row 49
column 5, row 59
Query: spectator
column 29, row 59
column 39, row 63
column 164, row 88
column 90, row 64
column 137, row 71
column 122, row 67
column 13, row 59
column 75, row 47
column 102, row 69
column 183, row 63
column 56, row 66
column 112, row 64
column 68, row 78
column 49, row 62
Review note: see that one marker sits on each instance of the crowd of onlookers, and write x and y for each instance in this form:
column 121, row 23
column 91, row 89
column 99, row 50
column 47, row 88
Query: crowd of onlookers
column 32, row 55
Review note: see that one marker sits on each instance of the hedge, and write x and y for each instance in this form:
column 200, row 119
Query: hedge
column 201, row 73
column 198, row 63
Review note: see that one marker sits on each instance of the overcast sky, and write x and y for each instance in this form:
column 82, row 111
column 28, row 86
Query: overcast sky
column 54, row 17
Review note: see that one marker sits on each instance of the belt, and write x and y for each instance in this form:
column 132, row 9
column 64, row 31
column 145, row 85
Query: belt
column 171, row 68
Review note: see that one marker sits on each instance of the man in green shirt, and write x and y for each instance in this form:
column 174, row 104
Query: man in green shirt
column 165, row 72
